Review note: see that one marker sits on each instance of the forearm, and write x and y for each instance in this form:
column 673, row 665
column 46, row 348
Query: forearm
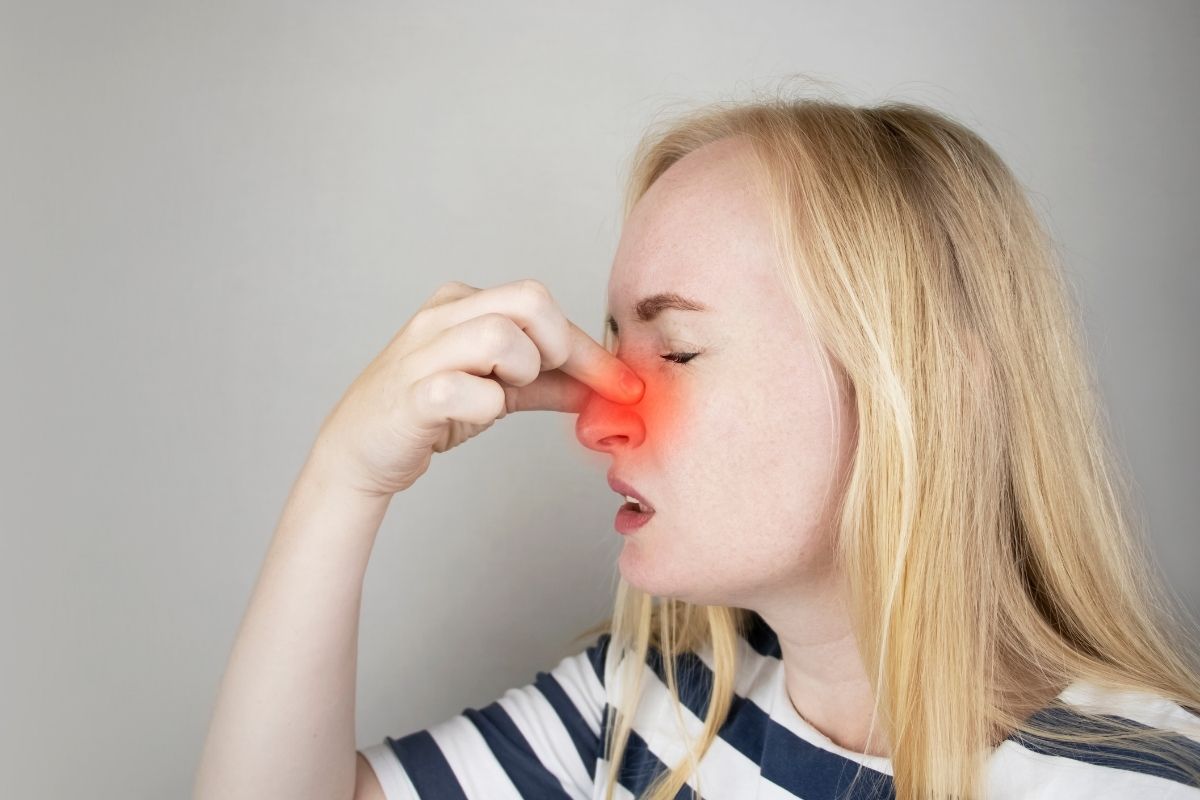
column 283, row 722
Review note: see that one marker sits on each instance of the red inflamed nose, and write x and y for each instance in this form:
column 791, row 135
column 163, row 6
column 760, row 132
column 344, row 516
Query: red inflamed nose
column 649, row 419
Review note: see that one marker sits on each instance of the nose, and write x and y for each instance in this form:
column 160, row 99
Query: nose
column 607, row 426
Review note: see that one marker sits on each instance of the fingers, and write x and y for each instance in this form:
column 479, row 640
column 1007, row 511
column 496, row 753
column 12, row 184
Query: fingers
column 490, row 344
column 553, row 390
column 560, row 343
column 451, row 395
column 588, row 361
column 448, row 291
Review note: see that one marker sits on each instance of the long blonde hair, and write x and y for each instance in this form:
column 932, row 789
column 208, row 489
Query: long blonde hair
column 987, row 524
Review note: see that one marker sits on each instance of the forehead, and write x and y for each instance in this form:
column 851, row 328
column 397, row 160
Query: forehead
column 701, row 230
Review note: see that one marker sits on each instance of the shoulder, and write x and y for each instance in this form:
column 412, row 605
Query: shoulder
column 580, row 677
column 1126, row 744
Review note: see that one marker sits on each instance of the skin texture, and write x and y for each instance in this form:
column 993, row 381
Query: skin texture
column 734, row 449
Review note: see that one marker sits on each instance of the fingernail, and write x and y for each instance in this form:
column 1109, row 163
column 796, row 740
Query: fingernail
column 631, row 383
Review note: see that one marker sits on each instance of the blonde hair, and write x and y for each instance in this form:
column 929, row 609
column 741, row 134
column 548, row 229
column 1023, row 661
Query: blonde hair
column 987, row 525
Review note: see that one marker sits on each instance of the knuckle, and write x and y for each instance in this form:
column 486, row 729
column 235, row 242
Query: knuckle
column 438, row 390
column 495, row 331
column 535, row 293
column 440, row 293
column 449, row 290
column 419, row 322
column 542, row 306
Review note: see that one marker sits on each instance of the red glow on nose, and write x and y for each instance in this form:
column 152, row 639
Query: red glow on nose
column 649, row 422
column 659, row 408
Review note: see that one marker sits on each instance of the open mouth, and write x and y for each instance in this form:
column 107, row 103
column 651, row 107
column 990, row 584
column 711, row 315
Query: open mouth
column 631, row 504
column 635, row 511
column 632, row 515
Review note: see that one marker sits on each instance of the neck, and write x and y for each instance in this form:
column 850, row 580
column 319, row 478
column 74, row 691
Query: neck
column 826, row 681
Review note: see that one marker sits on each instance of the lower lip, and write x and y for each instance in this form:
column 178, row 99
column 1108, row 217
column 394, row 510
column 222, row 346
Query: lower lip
column 628, row 520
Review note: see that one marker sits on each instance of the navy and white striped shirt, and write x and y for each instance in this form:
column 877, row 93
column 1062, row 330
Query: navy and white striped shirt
column 544, row 740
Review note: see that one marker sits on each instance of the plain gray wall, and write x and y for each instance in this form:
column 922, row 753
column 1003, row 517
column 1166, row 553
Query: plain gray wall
column 215, row 214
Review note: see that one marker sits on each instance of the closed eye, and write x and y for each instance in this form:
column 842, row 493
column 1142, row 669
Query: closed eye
column 679, row 358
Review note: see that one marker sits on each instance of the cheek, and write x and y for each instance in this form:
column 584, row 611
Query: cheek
column 760, row 471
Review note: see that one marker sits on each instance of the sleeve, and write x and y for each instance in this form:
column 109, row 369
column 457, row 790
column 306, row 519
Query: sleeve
column 541, row 740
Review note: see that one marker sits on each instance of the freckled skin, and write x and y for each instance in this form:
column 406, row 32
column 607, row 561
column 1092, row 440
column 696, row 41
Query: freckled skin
column 734, row 448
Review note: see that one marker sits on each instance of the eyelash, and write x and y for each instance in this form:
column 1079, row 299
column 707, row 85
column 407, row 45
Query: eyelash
column 679, row 358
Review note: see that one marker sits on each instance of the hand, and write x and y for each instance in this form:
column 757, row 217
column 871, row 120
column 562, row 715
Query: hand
column 467, row 357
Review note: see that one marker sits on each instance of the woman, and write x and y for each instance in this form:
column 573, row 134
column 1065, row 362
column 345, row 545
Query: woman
column 881, row 546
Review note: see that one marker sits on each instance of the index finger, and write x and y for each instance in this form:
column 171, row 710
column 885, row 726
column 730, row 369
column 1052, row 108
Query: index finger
column 588, row 361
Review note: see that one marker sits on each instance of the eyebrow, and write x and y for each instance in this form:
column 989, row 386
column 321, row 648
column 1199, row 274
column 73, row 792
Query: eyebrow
column 648, row 308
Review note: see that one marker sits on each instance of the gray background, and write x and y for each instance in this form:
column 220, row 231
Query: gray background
column 215, row 214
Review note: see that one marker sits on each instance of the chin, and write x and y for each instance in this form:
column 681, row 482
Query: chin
column 640, row 571
column 645, row 574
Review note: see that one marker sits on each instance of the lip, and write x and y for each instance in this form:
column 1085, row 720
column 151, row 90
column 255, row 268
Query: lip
column 627, row 520
column 621, row 487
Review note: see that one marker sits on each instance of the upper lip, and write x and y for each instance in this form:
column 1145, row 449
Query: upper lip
column 621, row 487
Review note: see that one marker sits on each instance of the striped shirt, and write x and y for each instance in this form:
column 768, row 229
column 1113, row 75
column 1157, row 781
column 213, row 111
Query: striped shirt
column 545, row 740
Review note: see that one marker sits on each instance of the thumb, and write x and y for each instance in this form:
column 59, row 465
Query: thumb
column 552, row 390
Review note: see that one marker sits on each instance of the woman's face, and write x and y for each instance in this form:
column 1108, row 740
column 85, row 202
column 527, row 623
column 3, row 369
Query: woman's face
column 733, row 448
